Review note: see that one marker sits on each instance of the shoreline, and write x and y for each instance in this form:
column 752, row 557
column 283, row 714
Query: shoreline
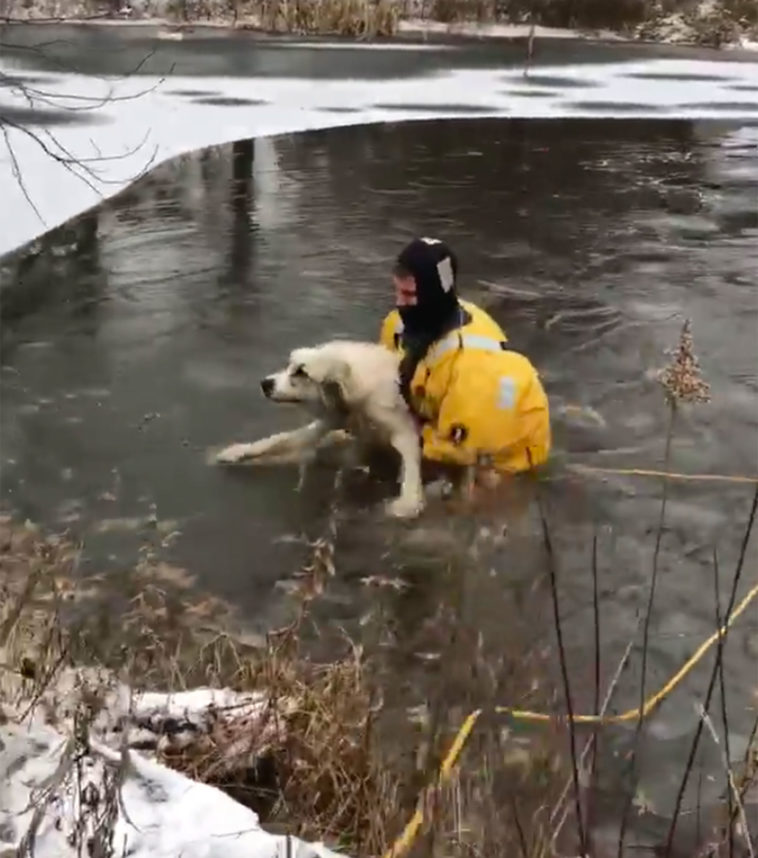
column 411, row 32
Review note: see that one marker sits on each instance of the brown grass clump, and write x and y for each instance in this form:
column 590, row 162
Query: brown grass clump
column 35, row 578
column 341, row 753
column 353, row 18
column 712, row 23
column 329, row 760
column 310, row 766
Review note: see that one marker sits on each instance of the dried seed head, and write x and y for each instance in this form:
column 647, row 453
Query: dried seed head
column 682, row 379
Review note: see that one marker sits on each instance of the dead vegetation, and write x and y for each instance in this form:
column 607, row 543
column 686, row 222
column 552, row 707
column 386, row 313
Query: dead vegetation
column 704, row 22
column 340, row 753
column 349, row 18
column 336, row 755
column 330, row 760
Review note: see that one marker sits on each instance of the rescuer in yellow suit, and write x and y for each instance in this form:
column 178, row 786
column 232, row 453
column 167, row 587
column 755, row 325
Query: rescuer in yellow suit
column 478, row 401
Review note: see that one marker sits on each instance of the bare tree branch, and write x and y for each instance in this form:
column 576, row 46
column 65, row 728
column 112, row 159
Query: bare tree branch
column 85, row 168
column 18, row 176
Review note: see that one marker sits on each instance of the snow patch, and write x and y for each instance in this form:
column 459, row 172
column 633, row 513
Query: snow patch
column 154, row 120
column 60, row 796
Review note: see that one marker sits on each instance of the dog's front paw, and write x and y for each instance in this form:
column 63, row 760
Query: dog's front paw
column 234, row 453
column 402, row 507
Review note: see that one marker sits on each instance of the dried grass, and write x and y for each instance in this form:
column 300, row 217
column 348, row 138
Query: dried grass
column 318, row 766
column 713, row 23
column 352, row 18
column 330, row 760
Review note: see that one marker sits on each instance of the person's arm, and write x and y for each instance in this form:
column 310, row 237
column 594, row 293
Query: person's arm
column 446, row 439
column 460, row 434
column 437, row 449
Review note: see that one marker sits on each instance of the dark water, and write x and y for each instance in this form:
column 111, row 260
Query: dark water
column 134, row 338
column 134, row 50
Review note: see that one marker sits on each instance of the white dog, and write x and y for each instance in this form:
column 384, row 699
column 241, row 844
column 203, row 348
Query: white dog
column 349, row 386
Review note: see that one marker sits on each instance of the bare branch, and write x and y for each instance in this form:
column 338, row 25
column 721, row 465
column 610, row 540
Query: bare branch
column 646, row 630
column 85, row 168
column 722, row 689
column 590, row 746
column 706, row 719
column 548, row 544
column 53, row 99
column 79, row 166
column 713, row 677
column 17, row 172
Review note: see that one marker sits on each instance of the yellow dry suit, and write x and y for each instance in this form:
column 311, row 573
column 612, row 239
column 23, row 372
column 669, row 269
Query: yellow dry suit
column 478, row 400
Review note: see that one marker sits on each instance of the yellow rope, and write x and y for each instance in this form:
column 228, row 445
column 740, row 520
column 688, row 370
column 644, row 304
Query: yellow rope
column 406, row 839
column 644, row 472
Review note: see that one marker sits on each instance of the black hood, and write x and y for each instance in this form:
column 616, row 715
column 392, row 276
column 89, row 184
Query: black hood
column 434, row 267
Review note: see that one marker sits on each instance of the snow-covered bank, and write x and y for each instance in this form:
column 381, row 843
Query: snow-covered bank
column 676, row 33
column 708, row 21
column 153, row 120
column 86, row 750
column 62, row 793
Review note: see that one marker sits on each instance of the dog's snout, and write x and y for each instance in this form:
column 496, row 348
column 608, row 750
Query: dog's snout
column 267, row 386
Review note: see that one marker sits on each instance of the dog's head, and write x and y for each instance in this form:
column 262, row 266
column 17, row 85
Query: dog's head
column 313, row 376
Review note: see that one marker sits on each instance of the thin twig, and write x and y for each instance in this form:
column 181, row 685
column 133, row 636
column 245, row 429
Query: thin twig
column 712, row 681
column 591, row 741
column 750, row 769
column 42, row 798
column 698, row 809
column 646, row 631
column 33, row 94
column 18, row 175
column 722, row 690
column 519, row 829
column 80, row 166
column 41, row 49
column 564, row 672
column 596, row 623
column 706, row 719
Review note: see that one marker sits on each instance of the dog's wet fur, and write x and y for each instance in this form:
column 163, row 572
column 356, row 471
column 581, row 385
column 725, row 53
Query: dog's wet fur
column 352, row 390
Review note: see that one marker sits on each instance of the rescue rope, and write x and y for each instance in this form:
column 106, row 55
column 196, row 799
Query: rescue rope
column 406, row 839
column 408, row 836
column 645, row 472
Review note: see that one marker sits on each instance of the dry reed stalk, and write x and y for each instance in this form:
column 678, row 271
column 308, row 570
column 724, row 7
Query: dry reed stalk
column 714, row 675
column 722, row 694
column 682, row 382
column 552, row 567
column 731, row 783
column 361, row 19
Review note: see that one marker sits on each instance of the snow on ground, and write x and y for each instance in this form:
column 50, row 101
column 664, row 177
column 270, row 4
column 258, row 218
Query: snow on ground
column 58, row 796
column 154, row 120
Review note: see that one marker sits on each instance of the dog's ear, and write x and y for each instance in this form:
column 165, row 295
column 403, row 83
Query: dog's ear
column 334, row 379
column 333, row 397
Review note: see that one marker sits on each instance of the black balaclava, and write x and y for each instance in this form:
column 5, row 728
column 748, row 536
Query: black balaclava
column 434, row 267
